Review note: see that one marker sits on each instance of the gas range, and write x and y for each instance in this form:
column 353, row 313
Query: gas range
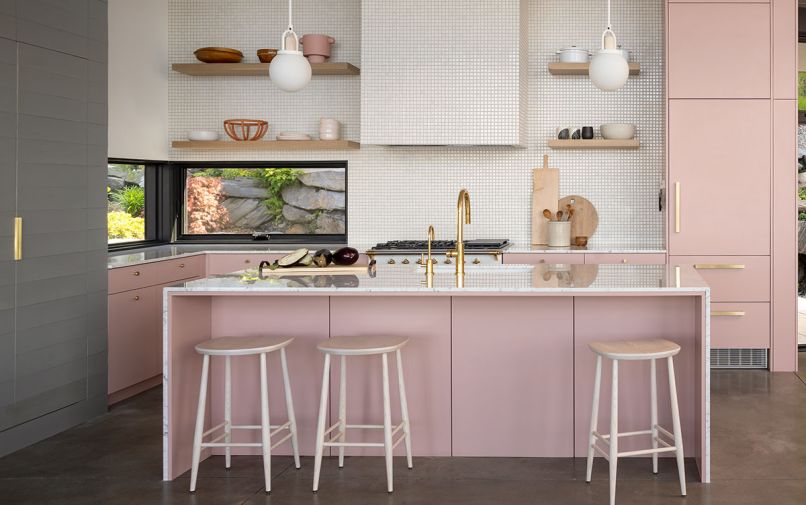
column 478, row 251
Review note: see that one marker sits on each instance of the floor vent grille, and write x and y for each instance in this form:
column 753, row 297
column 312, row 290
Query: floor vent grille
column 739, row 358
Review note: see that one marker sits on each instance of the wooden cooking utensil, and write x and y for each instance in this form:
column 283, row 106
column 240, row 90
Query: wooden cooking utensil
column 545, row 194
column 585, row 219
column 560, row 215
column 548, row 215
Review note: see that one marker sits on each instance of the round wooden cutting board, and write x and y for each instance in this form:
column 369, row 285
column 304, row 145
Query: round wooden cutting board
column 585, row 220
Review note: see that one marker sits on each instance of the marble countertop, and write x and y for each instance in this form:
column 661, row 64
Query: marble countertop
column 546, row 279
column 131, row 257
column 157, row 253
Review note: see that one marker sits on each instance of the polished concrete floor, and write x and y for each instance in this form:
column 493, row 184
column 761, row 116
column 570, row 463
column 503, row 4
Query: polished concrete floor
column 759, row 457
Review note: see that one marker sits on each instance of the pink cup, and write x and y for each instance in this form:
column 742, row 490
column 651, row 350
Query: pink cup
column 316, row 47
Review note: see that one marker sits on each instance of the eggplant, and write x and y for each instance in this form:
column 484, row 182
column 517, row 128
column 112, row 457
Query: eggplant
column 322, row 258
column 345, row 256
column 293, row 258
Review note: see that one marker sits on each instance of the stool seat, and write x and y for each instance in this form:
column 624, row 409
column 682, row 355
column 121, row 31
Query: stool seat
column 242, row 346
column 635, row 349
column 357, row 346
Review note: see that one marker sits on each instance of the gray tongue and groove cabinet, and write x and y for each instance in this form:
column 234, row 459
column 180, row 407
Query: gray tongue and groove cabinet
column 53, row 136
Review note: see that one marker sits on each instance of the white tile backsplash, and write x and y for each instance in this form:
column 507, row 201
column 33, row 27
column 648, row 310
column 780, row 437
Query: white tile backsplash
column 396, row 192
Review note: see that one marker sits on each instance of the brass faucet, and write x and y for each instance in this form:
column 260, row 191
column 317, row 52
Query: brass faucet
column 429, row 263
column 462, row 207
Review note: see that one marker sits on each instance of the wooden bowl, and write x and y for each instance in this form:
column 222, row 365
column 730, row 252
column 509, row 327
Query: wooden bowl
column 218, row 55
column 266, row 55
column 246, row 129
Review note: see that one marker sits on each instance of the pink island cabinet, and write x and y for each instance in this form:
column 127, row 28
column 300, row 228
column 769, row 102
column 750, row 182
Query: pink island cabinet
column 731, row 156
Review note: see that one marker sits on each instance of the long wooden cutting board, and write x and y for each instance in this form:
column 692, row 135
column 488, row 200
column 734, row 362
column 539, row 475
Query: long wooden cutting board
column 545, row 194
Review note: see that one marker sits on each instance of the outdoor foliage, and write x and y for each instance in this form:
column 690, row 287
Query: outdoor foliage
column 204, row 209
column 131, row 199
column 124, row 226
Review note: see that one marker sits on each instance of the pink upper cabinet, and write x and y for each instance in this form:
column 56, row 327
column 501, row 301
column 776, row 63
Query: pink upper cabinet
column 785, row 48
column 719, row 153
column 719, row 50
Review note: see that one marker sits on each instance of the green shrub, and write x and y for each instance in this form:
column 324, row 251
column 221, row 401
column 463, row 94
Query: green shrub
column 123, row 225
column 131, row 199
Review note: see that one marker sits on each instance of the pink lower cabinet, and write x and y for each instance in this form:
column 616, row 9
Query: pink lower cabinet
column 740, row 325
column 609, row 318
column 426, row 366
column 634, row 259
column 513, row 376
column 539, row 258
column 188, row 267
column 135, row 345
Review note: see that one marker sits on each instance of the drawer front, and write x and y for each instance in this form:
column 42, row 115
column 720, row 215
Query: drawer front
column 635, row 259
column 218, row 264
column 740, row 325
column 128, row 278
column 732, row 278
column 539, row 258
column 180, row 268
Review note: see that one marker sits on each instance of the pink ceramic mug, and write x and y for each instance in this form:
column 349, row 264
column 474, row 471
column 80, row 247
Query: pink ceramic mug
column 316, row 47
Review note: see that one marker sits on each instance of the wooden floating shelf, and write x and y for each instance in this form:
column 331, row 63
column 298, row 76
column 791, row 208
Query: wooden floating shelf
column 594, row 144
column 258, row 69
column 267, row 145
column 582, row 68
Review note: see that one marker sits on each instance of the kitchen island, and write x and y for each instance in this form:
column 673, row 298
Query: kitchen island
column 497, row 367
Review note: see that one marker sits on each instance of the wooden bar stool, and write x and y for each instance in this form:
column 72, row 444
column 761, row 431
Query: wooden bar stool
column 243, row 346
column 635, row 350
column 362, row 346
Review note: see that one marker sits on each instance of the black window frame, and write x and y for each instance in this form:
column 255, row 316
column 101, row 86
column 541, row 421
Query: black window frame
column 152, row 207
column 179, row 171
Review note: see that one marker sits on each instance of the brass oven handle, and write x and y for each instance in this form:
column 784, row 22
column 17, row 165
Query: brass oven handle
column 727, row 312
column 677, row 207
column 719, row 266
column 17, row 238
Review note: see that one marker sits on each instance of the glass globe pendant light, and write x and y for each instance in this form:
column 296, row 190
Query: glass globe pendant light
column 609, row 69
column 290, row 70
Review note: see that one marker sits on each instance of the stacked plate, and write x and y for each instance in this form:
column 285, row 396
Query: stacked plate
column 293, row 136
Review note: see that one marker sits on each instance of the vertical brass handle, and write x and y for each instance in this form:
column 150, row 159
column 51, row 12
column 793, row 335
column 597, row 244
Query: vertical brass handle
column 17, row 238
column 677, row 207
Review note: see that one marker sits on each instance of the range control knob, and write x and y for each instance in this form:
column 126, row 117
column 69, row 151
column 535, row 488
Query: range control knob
column 476, row 261
column 448, row 261
column 405, row 261
column 391, row 262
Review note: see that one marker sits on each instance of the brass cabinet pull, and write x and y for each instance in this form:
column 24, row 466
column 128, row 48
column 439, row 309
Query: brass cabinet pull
column 719, row 266
column 624, row 260
column 727, row 312
column 136, row 298
column 136, row 273
column 247, row 261
column 17, row 238
column 181, row 265
column 677, row 207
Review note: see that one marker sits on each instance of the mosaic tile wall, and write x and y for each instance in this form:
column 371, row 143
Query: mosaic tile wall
column 395, row 192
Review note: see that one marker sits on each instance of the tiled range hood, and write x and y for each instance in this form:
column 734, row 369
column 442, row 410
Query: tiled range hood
column 430, row 76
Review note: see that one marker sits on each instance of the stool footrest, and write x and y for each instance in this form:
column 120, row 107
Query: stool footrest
column 641, row 452
column 230, row 444
column 353, row 444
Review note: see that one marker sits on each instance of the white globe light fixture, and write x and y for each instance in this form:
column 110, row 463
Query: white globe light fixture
column 609, row 69
column 290, row 70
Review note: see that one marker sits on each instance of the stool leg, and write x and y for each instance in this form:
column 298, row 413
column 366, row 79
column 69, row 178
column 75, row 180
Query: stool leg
column 320, row 425
column 678, row 435
column 197, row 436
column 613, row 433
column 387, row 422
column 404, row 408
column 289, row 406
column 265, row 425
column 653, row 385
column 228, row 410
column 597, row 382
column 342, row 407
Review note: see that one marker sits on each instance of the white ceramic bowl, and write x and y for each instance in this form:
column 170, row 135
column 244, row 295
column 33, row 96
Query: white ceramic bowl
column 203, row 135
column 620, row 131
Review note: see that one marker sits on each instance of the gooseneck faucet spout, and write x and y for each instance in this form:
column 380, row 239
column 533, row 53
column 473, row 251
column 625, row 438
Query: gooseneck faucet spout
column 462, row 218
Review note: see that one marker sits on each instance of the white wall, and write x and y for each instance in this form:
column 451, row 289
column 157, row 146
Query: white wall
column 138, row 79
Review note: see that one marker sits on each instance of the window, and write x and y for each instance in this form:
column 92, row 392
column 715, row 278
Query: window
column 131, row 202
column 289, row 201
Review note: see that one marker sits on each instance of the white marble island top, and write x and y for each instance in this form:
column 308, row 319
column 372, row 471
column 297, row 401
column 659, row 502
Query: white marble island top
column 479, row 280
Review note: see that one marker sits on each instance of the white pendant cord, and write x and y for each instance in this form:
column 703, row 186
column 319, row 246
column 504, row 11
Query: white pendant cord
column 291, row 24
column 609, row 26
